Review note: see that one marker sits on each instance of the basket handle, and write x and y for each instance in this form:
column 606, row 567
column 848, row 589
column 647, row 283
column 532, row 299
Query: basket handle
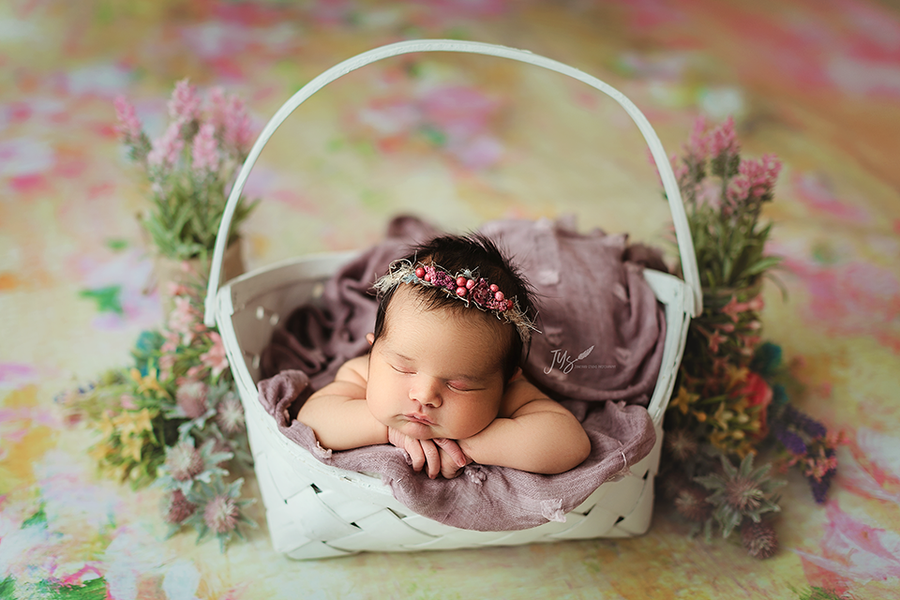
column 670, row 185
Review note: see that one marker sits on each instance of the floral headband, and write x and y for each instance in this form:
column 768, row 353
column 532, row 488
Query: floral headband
column 465, row 286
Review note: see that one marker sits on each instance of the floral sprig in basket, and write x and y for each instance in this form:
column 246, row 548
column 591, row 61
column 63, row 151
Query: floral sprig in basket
column 173, row 418
column 719, row 397
column 731, row 398
column 190, row 167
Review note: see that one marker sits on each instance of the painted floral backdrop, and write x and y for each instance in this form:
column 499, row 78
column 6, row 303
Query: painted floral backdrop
column 457, row 140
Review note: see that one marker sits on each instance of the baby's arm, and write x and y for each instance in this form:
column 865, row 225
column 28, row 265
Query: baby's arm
column 540, row 436
column 338, row 413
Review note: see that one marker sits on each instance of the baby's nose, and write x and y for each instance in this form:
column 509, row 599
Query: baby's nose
column 425, row 391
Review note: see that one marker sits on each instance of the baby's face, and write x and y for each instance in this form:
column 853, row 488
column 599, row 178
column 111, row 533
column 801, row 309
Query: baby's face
column 434, row 373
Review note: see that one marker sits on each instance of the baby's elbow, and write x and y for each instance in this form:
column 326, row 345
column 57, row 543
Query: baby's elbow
column 581, row 449
column 576, row 453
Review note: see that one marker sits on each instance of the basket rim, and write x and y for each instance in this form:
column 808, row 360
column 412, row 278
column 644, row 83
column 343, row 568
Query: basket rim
column 663, row 166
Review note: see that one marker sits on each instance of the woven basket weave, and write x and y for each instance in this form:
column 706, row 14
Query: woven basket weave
column 316, row 511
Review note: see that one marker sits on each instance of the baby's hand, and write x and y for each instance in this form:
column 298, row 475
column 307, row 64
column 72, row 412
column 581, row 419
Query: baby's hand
column 453, row 459
column 438, row 456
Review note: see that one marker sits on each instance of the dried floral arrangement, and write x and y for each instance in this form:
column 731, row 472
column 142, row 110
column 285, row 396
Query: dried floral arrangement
column 732, row 397
column 190, row 167
column 173, row 419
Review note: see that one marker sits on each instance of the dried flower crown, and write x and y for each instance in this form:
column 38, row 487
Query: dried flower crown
column 465, row 286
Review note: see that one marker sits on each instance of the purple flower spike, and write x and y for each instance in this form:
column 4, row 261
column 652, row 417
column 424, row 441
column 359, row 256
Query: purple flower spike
column 803, row 422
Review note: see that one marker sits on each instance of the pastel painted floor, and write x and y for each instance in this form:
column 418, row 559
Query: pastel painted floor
column 458, row 140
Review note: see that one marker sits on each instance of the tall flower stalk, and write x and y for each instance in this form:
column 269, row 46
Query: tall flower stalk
column 718, row 396
column 190, row 167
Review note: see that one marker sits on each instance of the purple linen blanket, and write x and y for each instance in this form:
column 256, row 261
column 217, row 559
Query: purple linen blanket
column 603, row 336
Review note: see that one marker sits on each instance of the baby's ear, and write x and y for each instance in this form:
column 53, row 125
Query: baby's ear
column 370, row 337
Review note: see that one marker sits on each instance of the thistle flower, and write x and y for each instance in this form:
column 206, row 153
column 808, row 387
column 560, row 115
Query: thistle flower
column 221, row 514
column 180, row 508
column 191, row 398
column 690, row 502
column 759, row 539
column 223, row 511
column 681, row 444
column 183, row 461
column 740, row 492
column 185, row 465
column 230, row 414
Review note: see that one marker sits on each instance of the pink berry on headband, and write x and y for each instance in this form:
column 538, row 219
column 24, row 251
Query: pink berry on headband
column 420, row 272
column 460, row 291
column 460, row 281
column 470, row 284
column 498, row 296
column 509, row 304
column 494, row 287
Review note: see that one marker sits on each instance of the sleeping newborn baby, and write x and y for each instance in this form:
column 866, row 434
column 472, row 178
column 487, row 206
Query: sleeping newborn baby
column 443, row 377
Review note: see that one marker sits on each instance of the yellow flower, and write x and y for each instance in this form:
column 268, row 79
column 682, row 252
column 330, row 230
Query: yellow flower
column 720, row 440
column 132, row 448
column 132, row 423
column 116, row 472
column 722, row 417
column 100, row 451
column 107, row 427
column 125, row 423
column 147, row 383
column 143, row 421
column 684, row 399
column 736, row 375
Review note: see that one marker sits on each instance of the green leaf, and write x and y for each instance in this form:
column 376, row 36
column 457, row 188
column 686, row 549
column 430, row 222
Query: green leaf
column 38, row 519
column 762, row 265
column 107, row 298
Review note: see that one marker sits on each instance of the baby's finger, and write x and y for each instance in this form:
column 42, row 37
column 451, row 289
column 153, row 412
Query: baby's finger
column 432, row 457
column 448, row 467
column 452, row 448
column 415, row 454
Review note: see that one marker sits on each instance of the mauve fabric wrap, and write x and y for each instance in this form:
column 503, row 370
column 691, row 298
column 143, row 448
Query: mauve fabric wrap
column 594, row 304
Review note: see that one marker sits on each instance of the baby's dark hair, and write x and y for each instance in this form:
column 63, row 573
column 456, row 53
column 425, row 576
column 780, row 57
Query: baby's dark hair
column 480, row 255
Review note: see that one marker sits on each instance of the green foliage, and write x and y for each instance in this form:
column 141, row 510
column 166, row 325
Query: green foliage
column 191, row 168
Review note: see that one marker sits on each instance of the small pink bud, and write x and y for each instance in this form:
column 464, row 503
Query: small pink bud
column 494, row 287
column 420, row 272
column 470, row 284
column 498, row 296
column 427, row 277
column 460, row 281
column 461, row 291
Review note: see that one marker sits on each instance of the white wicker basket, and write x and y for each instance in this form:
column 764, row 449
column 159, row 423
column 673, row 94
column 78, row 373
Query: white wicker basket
column 316, row 511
